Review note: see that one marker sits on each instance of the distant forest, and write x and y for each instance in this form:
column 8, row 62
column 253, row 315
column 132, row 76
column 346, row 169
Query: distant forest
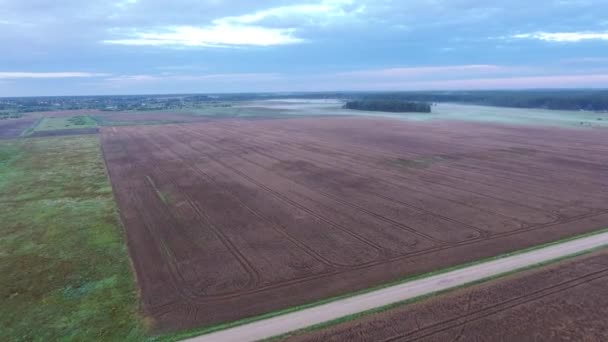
column 389, row 105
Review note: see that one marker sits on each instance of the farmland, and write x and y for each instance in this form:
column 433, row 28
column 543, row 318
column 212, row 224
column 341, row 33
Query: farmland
column 232, row 218
column 14, row 127
column 51, row 125
column 58, row 123
column 142, row 118
column 64, row 264
column 564, row 302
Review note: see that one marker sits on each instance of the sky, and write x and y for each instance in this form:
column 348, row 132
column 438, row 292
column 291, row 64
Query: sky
column 76, row 47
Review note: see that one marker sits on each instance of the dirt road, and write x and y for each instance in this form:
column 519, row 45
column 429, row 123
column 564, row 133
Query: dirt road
column 304, row 318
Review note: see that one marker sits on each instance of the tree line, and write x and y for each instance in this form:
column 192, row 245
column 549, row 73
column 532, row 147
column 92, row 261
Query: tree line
column 389, row 105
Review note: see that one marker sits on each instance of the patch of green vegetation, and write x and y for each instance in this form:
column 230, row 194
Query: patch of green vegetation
column 33, row 172
column 419, row 163
column 73, row 122
column 64, row 264
column 7, row 154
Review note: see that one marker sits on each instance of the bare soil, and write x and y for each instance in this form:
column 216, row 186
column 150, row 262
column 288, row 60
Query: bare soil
column 229, row 219
column 62, row 132
column 563, row 302
column 12, row 128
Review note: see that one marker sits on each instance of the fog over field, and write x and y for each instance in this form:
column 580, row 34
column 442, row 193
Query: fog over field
column 441, row 111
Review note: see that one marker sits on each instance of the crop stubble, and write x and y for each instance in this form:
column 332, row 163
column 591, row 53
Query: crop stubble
column 233, row 218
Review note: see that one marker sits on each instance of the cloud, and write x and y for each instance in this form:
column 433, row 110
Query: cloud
column 243, row 30
column 232, row 77
column 125, row 3
column 380, row 41
column 585, row 60
column 184, row 83
column 320, row 11
column 19, row 74
column 425, row 70
column 495, row 83
column 530, row 82
column 221, row 35
column 133, row 78
column 455, row 77
column 567, row 37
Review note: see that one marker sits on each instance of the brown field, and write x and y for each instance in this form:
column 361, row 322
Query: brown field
column 12, row 128
column 230, row 219
column 563, row 302
column 118, row 118
column 62, row 132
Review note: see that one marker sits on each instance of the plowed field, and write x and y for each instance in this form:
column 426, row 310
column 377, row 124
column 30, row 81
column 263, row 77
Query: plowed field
column 12, row 128
column 229, row 219
column 564, row 302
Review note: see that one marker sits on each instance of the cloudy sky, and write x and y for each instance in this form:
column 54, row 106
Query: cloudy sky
column 76, row 47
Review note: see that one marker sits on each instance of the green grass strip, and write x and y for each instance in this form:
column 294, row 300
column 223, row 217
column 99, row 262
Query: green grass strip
column 207, row 330
column 73, row 122
column 63, row 256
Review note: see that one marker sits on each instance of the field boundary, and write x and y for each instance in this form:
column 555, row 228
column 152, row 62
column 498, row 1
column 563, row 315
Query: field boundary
column 202, row 332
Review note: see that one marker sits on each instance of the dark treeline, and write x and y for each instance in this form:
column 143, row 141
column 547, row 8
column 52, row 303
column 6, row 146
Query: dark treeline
column 389, row 105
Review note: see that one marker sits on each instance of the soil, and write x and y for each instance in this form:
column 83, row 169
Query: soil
column 12, row 128
column 234, row 218
column 62, row 132
column 562, row 302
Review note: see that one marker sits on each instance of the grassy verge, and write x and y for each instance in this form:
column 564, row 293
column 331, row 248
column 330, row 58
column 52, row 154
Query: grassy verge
column 64, row 264
column 207, row 330
column 73, row 122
